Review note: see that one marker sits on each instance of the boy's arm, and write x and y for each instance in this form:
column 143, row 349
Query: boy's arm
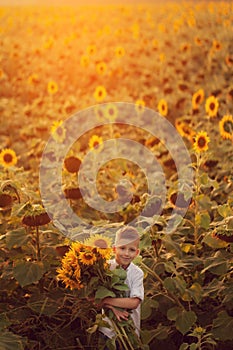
column 124, row 303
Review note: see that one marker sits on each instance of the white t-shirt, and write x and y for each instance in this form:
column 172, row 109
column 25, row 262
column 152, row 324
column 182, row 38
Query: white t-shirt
column 134, row 281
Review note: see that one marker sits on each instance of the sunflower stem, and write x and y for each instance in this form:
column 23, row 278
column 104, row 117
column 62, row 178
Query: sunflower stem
column 196, row 208
column 121, row 336
column 38, row 255
column 154, row 274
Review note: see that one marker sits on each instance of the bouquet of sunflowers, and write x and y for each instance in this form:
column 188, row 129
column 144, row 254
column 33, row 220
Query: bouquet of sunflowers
column 85, row 268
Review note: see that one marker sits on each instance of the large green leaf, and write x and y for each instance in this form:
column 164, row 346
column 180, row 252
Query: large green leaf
column 28, row 272
column 173, row 313
column 213, row 242
column 16, row 238
column 224, row 210
column 222, row 326
column 216, row 264
column 147, row 306
column 103, row 292
column 161, row 332
column 185, row 320
column 121, row 287
column 11, row 341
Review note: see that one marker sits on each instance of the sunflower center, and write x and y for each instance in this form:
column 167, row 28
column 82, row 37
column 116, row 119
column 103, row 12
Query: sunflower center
column 8, row 158
column 198, row 99
column 228, row 126
column 96, row 144
column 212, row 106
column 59, row 131
column 201, row 142
column 111, row 111
column 101, row 243
column 88, row 256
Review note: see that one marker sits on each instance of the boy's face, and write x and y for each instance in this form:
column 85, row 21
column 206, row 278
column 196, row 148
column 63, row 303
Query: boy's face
column 126, row 253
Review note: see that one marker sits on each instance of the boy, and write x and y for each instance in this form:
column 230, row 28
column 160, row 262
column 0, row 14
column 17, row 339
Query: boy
column 126, row 248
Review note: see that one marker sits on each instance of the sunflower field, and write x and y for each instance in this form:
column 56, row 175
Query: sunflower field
column 174, row 58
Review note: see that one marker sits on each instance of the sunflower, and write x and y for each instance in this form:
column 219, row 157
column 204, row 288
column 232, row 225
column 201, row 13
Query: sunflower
column 52, row 87
column 101, row 67
column 211, row 106
column 99, row 112
column 185, row 130
column 110, row 111
column 120, row 51
column 163, row 107
column 198, row 41
column 8, row 158
column 70, row 272
column 96, row 142
column 87, row 257
column 58, row 131
column 84, row 60
column 226, row 127
column 33, row 79
column 91, row 49
column 217, row 46
column 201, row 142
column 229, row 60
column 98, row 241
column 102, row 244
column 100, row 93
column 140, row 106
column 76, row 247
column 197, row 98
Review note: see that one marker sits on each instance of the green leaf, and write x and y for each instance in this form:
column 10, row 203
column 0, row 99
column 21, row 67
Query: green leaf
column 204, row 202
column 103, row 292
column 230, row 223
column 216, row 264
column 92, row 329
column 121, row 287
column 204, row 179
column 173, row 313
column 161, row 332
column 184, row 346
column 28, row 272
column 205, row 220
column 196, row 292
column 147, row 307
column 11, row 341
column 4, row 321
column 213, row 242
column 119, row 272
column 185, row 320
column 222, row 326
column 172, row 246
column 169, row 284
column 16, row 238
column 224, row 210
column 193, row 346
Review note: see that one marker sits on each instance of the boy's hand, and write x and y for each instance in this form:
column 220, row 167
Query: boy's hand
column 121, row 315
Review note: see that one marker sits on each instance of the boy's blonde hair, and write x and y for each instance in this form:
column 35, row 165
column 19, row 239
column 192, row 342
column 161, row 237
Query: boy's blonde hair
column 126, row 235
